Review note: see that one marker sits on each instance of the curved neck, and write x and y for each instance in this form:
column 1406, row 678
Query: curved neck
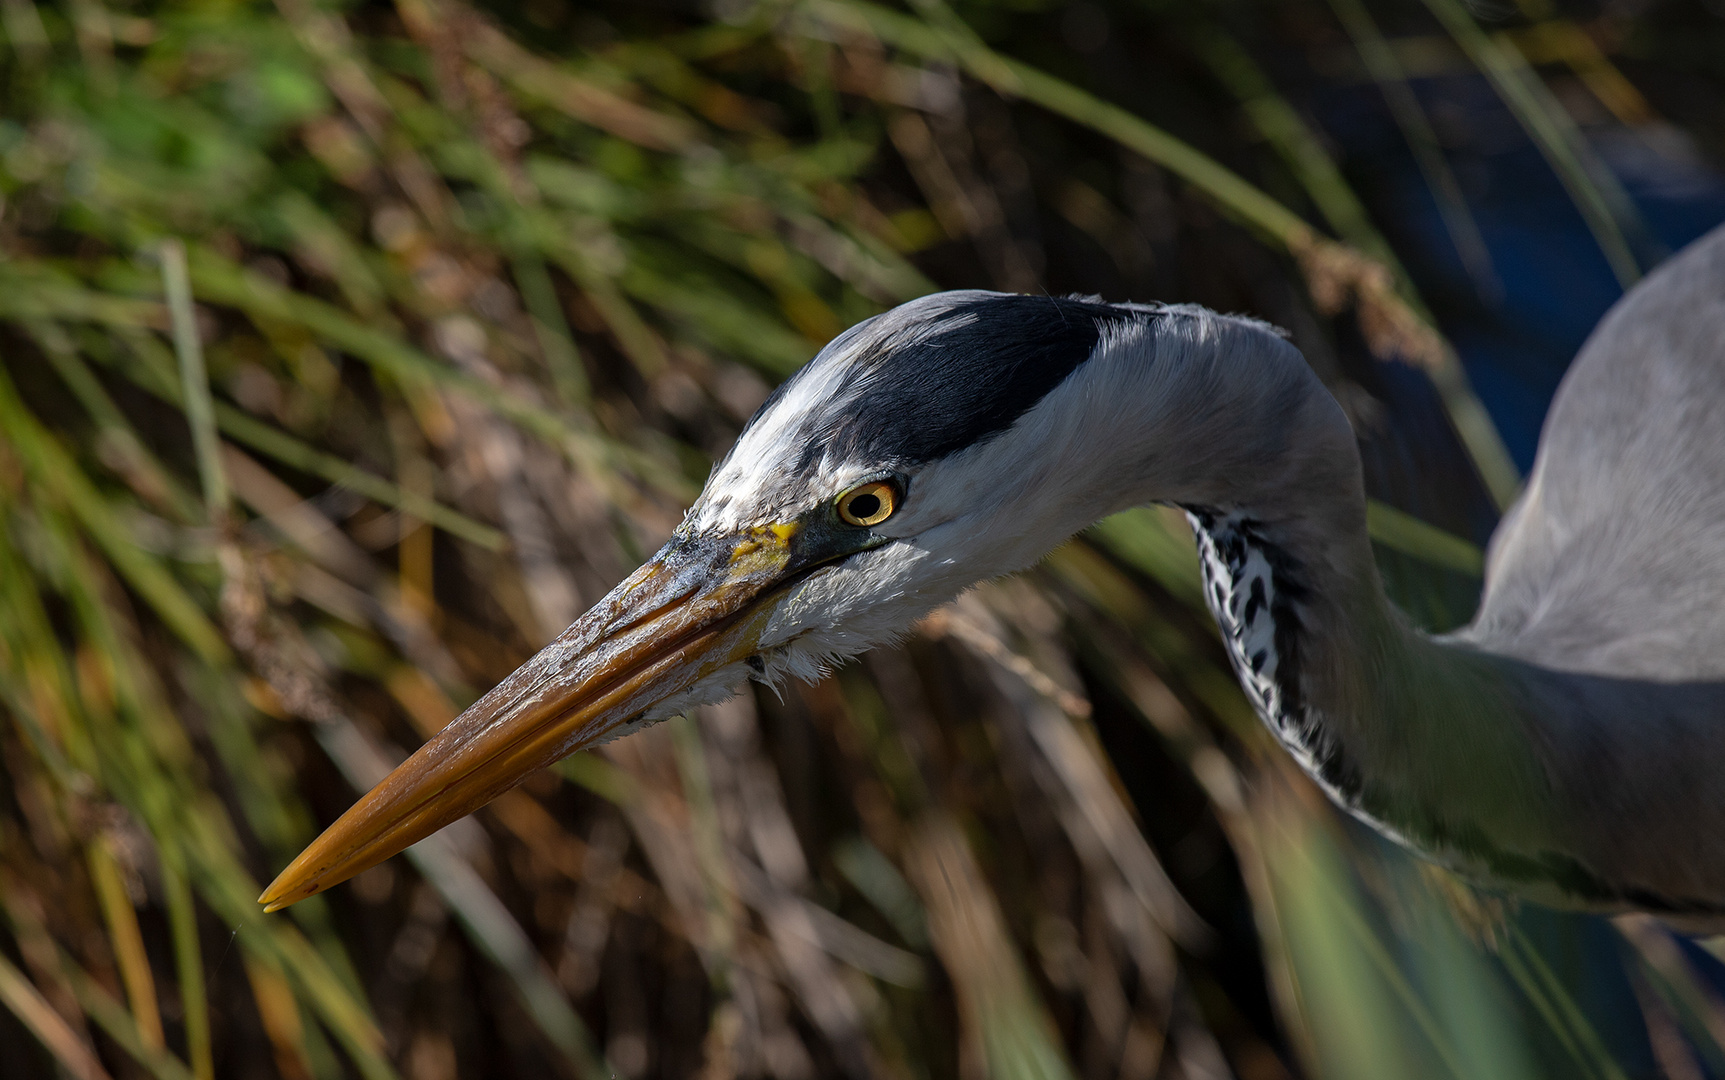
column 1420, row 738
column 1521, row 774
column 1429, row 741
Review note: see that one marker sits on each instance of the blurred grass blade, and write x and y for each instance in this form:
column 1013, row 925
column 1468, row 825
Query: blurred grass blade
column 188, row 964
column 194, row 382
column 260, row 436
column 1470, row 1040
column 874, row 875
column 1401, row 531
column 1347, row 1012
column 1390, row 971
column 627, row 327
column 91, row 996
column 1561, row 38
column 1099, row 801
column 149, row 759
column 298, row 455
column 1595, row 190
column 706, row 842
column 1697, row 1004
column 1553, row 1000
column 221, row 282
column 579, row 98
column 231, row 893
column 24, row 30
column 1477, row 430
column 113, row 1019
column 1380, row 60
column 144, row 471
column 128, row 944
column 1147, row 539
column 722, row 321
column 1010, row 77
column 999, row 1006
column 1332, row 270
column 552, row 329
column 280, row 1016
column 490, row 925
column 1297, row 144
column 40, row 1019
column 54, row 471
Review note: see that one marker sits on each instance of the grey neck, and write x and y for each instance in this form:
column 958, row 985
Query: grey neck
column 1510, row 772
column 1424, row 740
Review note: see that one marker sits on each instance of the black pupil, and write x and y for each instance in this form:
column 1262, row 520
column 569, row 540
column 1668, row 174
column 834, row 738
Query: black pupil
column 865, row 506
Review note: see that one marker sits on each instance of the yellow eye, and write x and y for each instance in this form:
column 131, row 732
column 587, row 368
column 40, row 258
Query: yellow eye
column 869, row 504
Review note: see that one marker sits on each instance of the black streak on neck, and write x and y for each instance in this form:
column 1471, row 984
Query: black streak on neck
column 1462, row 845
column 1235, row 537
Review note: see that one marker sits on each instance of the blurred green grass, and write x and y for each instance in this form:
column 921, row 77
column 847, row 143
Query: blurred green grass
column 348, row 352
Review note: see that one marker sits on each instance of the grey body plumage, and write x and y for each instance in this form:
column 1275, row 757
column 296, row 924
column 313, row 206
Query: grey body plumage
column 1569, row 744
column 1607, row 580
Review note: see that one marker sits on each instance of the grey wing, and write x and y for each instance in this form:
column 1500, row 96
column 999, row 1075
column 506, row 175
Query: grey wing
column 1613, row 560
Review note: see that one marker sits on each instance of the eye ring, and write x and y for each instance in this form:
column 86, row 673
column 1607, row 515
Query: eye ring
column 868, row 504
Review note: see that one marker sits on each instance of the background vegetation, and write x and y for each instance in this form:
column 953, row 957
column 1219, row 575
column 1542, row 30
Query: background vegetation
column 348, row 352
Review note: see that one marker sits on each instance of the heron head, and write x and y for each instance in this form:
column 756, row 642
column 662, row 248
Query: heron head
column 941, row 443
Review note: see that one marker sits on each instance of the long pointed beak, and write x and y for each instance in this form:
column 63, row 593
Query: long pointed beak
column 700, row 605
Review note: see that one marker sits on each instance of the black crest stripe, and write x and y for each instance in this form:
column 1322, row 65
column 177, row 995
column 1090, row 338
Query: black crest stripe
column 937, row 384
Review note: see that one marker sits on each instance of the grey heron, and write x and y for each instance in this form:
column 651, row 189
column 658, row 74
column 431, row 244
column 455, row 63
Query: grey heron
column 1569, row 744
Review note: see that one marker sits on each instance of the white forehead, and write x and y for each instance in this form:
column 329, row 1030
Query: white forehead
column 774, row 443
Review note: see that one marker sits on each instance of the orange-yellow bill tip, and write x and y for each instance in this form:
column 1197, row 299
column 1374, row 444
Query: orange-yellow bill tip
column 692, row 611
